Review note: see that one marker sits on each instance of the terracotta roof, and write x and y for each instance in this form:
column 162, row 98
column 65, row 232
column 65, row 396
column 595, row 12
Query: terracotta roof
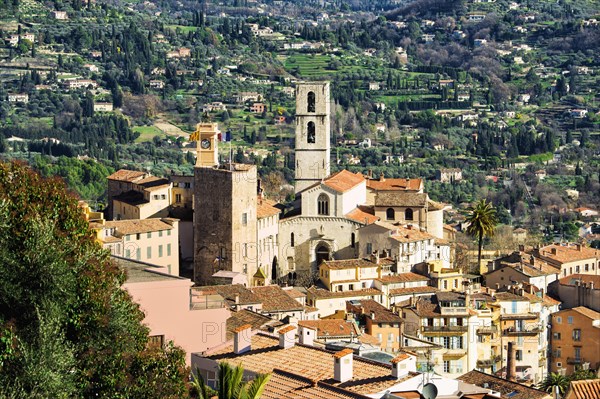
column 568, row 253
column 286, row 329
column 266, row 208
column 435, row 206
column 509, row 296
column 127, row 175
column 417, row 200
column 584, row 389
column 151, row 183
column 353, row 263
column 412, row 290
column 405, row 235
column 369, row 306
column 330, row 328
column 507, row 389
column 362, row 214
column 399, row 358
column 230, row 291
column 274, row 299
column 135, row 226
column 342, row 353
column 320, row 293
column 582, row 278
column 242, row 328
column 284, row 385
column 587, row 312
column 425, row 307
column 294, row 293
column 343, row 181
column 308, row 361
column 402, row 278
column 395, row 184
column 248, row 317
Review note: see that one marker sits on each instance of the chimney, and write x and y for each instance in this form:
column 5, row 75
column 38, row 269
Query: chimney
column 381, row 177
column 553, row 251
column 287, row 337
column 384, row 253
column 237, row 299
column 511, row 363
column 342, row 365
column 591, row 285
column 370, row 173
column 372, row 315
column 579, row 247
column 307, row 335
column 396, row 373
column 532, row 260
column 242, row 339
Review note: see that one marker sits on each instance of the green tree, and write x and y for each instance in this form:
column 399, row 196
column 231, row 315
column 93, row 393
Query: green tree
column 482, row 220
column 232, row 385
column 554, row 380
column 74, row 332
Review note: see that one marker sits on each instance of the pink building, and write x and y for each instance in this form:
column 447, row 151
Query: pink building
column 194, row 322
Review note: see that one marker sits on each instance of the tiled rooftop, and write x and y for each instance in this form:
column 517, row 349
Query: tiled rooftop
column 283, row 385
column 582, row 278
column 274, row 299
column 127, row 175
column 388, row 184
column 353, row 263
column 417, row 200
column 247, row 317
column 320, row 293
column 587, row 312
column 402, row 278
column 343, row 181
column 331, row 328
column 507, row 389
column 568, row 253
column 369, row 306
column 134, row 226
column 412, row 290
column 310, row 362
column 229, row 292
column 362, row 214
column 584, row 389
column 140, row 272
column 266, row 208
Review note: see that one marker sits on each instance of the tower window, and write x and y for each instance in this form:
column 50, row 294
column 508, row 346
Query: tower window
column 408, row 214
column 353, row 240
column 292, row 240
column 310, row 102
column 311, row 133
column 390, row 214
column 323, row 204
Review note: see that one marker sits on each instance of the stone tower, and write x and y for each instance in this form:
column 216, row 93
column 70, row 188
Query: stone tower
column 225, row 203
column 312, row 133
column 206, row 136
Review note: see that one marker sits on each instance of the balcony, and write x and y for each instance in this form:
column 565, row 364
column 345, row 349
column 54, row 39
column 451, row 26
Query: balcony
column 575, row 360
column 454, row 353
column 519, row 316
column 512, row 331
column 445, row 330
column 487, row 363
column 487, row 330
column 450, row 311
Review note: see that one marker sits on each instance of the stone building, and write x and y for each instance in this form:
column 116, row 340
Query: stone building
column 312, row 133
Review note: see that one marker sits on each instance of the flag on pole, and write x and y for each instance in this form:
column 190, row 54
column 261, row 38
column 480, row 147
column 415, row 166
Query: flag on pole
column 194, row 136
column 224, row 137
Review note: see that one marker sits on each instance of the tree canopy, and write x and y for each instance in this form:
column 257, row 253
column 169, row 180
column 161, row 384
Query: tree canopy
column 67, row 328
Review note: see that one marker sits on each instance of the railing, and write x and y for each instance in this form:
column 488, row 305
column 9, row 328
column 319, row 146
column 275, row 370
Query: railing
column 487, row 330
column 203, row 302
column 455, row 352
column 454, row 311
column 575, row 360
column 486, row 363
column 514, row 331
column 439, row 329
column 519, row 316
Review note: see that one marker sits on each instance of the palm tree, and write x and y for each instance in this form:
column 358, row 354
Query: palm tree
column 554, row 380
column 199, row 389
column 232, row 385
column 482, row 220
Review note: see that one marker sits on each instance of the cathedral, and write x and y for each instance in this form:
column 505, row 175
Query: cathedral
column 242, row 236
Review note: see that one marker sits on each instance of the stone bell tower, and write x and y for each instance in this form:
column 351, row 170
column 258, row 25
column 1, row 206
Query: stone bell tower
column 312, row 133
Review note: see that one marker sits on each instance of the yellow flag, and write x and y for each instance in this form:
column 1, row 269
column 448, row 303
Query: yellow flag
column 194, row 136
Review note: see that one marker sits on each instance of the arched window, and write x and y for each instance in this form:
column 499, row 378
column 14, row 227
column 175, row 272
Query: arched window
column 323, row 205
column 310, row 132
column 408, row 214
column 390, row 214
column 292, row 240
column 310, row 102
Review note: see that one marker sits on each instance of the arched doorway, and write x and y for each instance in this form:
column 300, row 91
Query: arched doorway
column 322, row 252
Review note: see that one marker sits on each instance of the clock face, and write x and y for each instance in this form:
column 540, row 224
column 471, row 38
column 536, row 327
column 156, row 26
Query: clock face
column 205, row 144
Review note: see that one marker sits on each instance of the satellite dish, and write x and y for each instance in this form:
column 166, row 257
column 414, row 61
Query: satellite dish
column 430, row 391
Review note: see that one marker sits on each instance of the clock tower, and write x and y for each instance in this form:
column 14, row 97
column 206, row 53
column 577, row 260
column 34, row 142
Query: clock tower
column 206, row 136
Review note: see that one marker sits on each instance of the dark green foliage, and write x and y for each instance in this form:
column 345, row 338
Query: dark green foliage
column 67, row 329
